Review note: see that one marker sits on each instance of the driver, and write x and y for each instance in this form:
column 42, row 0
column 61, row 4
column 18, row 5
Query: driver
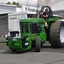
column 45, row 15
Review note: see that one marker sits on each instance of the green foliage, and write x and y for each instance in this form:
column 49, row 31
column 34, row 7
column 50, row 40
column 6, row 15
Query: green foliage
column 13, row 3
column 17, row 4
column 8, row 3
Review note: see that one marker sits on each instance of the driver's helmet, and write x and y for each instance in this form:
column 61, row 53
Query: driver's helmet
column 46, row 9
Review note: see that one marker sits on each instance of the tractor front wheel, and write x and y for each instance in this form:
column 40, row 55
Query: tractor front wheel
column 37, row 44
column 14, row 50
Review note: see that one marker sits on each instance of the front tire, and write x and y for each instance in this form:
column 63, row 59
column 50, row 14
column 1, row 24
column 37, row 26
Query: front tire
column 14, row 50
column 57, row 34
column 37, row 44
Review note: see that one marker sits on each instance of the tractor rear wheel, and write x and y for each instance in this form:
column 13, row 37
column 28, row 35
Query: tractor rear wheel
column 57, row 34
column 37, row 44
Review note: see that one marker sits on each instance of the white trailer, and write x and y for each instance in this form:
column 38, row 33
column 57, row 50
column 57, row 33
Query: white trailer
column 13, row 22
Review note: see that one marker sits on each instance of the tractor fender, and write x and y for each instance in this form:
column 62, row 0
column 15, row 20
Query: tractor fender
column 61, row 20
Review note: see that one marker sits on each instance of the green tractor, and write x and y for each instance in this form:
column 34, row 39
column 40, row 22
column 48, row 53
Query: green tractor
column 33, row 33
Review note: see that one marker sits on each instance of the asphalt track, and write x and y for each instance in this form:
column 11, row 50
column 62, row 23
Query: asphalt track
column 47, row 55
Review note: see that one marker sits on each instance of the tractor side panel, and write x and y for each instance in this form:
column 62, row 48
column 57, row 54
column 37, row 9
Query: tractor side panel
column 43, row 36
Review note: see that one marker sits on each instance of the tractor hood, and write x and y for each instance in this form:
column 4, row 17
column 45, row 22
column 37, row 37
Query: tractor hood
column 31, row 20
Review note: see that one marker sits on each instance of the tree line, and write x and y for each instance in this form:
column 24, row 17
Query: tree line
column 13, row 3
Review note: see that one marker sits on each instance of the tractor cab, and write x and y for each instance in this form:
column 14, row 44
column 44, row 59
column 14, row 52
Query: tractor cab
column 28, row 28
column 31, row 28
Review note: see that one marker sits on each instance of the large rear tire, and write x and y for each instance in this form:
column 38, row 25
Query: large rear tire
column 57, row 34
column 37, row 44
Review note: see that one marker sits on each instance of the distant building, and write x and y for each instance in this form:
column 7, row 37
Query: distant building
column 31, row 11
column 18, row 9
column 5, row 9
